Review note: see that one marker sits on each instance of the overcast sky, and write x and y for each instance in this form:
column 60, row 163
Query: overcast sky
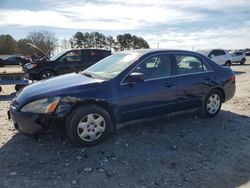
column 186, row 24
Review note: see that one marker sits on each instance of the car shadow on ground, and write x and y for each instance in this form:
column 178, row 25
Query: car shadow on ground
column 183, row 150
column 246, row 64
column 239, row 72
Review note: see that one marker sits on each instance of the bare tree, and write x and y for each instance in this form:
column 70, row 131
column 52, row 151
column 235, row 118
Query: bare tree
column 65, row 44
column 45, row 40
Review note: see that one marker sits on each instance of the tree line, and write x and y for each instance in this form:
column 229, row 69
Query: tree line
column 47, row 42
column 99, row 40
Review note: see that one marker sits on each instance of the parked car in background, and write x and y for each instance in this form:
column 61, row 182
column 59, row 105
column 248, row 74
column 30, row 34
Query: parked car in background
column 73, row 60
column 239, row 57
column 220, row 56
column 122, row 87
column 16, row 60
column 1, row 62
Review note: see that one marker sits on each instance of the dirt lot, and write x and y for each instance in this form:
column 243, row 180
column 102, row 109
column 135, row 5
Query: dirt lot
column 180, row 151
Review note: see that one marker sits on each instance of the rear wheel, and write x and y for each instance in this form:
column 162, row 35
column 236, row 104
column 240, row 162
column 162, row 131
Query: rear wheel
column 88, row 125
column 47, row 74
column 228, row 63
column 243, row 61
column 212, row 103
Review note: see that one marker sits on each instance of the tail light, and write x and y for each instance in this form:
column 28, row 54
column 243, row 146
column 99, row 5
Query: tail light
column 233, row 78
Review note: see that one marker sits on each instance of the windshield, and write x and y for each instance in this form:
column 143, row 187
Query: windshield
column 111, row 66
column 56, row 56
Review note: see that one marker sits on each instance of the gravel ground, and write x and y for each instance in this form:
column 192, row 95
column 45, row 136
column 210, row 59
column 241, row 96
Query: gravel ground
column 175, row 151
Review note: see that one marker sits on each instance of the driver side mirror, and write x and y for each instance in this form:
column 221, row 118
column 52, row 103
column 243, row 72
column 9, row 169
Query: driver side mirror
column 134, row 78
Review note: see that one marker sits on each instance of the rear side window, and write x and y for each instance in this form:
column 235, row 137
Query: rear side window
column 188, row 64
column 238, row 53
column 92, row 55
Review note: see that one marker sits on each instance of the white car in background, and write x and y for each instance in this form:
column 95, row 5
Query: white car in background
column 239, row 57
column 220, row 56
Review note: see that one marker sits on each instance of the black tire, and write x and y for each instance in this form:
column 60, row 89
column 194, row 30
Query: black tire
column 47, row 74
column 206, row 111
column 228, row 64
column 243, row 61
column 19, row 87
column 78, row 115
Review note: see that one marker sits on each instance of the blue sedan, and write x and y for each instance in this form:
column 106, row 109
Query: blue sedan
column 122, row 87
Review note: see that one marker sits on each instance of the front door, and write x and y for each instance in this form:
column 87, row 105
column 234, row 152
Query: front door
column 69, row 62
column 154, row 95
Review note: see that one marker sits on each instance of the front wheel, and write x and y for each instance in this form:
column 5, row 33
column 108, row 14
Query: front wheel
column 47, row 74
column 211, row 104
column 88, row 125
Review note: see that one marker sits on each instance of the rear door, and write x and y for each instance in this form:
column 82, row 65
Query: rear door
column 89, row 58
column 155, row 95
column 193, row 80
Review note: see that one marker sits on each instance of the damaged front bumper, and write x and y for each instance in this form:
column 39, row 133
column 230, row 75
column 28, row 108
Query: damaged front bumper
column 32, row 123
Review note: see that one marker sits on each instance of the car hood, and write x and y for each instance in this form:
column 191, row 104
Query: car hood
column 41, row 53
column 63, row 85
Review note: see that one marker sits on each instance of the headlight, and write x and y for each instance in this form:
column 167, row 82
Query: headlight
column 30, row 66
column 42, row 106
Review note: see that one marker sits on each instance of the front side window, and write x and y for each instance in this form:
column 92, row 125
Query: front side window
column 11, row 59
column 72, row 56
column 187, row 64
column 221, row 52
column 214, row 53
column 158, row 66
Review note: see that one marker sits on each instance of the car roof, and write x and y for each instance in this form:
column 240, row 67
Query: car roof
column 9, row 56
column 86, row 49
column 147, row 51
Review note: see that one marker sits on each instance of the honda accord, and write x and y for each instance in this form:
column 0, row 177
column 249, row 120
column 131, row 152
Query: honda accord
column 125, row 86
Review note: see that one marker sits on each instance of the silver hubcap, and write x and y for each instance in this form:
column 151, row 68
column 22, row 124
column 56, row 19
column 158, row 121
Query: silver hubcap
column 91, row 127
column 213, row 103
column 47, row 75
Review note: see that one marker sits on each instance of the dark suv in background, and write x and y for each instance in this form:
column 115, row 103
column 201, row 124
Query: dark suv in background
column 73, row 60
